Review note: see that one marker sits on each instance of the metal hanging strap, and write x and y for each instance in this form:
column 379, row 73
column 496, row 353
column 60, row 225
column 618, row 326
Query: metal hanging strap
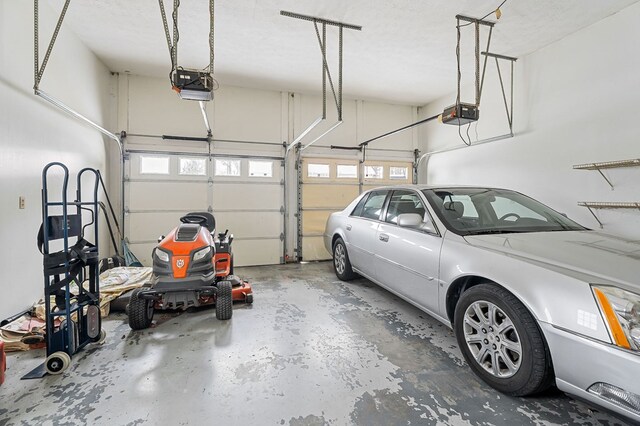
column 211, row 36
column 326, row 72
column 38, row 71
column 478, row 80
column 172, row 42
column 508, row 105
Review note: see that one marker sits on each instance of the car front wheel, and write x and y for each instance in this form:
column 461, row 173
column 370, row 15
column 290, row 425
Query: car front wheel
column 341, row 263
column 502, row 342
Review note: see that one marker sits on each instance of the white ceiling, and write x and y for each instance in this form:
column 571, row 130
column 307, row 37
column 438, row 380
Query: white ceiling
column 405, row 52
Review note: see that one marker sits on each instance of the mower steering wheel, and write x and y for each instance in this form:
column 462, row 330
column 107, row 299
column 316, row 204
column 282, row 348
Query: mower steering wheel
column 194, row 218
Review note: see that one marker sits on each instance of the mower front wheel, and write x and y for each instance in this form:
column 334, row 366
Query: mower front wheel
column 224, row 301
column 140, row 311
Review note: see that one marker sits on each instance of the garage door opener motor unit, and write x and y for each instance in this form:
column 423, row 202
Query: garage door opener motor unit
column 460, row 114
column 193, row 85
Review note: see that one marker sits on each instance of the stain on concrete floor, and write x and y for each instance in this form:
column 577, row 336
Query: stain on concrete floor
column 311, row 350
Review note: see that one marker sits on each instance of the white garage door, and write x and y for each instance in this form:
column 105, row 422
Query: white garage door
column 245, row 194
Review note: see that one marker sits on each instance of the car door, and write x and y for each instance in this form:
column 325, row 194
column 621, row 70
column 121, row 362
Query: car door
column 360, row 231
column 407, row 258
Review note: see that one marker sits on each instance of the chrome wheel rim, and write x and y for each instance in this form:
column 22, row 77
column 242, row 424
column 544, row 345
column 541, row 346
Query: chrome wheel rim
column 340, row 258
column 492, row 339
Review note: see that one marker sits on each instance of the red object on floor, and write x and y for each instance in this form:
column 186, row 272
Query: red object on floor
column 3, row 362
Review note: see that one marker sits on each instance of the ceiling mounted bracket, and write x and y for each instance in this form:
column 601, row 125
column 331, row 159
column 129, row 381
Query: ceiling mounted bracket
column 326, row 72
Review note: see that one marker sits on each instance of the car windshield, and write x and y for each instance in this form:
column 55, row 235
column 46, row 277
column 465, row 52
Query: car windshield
column 475, row 211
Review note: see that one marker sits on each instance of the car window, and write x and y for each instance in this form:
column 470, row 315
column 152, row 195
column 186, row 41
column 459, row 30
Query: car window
column 373, row 206
column 507, row 208
column 468, row 209
column 472, row 211
column 358, row 210
column 404, row 202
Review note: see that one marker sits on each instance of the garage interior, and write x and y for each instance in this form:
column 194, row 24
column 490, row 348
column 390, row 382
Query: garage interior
column 313, row 104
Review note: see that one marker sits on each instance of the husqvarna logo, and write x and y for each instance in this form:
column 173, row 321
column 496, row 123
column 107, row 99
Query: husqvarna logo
column 179, row 263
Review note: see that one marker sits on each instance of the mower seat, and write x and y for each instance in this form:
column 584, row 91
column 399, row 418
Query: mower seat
column 210, row 222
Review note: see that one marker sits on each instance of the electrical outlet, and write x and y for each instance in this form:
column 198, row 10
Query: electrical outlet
column 21, row 202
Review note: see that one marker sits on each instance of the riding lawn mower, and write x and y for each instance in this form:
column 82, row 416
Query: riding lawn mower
column 192, row 266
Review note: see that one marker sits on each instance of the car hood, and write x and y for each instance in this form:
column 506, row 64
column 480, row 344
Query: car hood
column 590, row 253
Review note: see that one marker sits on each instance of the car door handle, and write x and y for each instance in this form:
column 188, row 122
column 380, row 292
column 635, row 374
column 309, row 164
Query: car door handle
column 348, row 227
column 384, row 238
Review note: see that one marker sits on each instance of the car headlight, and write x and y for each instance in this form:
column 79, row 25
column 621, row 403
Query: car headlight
column 621, row 311
column 200, row 254
column 162, row 256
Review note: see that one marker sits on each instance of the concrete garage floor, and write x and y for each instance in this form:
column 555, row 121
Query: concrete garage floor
column 310, row 351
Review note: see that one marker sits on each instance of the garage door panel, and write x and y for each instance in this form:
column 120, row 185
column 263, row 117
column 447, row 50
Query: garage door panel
column 167, row 196
column 149, row 226
column 335, row 196
column 143, row 252
column 313, row 222
column 313, row 249
column 250, row 224
column 256, row 252
column 245, row 196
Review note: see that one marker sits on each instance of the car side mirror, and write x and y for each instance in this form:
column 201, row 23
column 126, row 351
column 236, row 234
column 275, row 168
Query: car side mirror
column 409, row 220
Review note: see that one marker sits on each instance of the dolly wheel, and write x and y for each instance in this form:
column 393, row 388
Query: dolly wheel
column 101, row 337
column 57, row 362
column 249, row 299
column 224, row 301
column 140, row 311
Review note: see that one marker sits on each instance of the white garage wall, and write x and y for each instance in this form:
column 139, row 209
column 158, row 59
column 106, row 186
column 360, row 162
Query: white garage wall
column 575, row 103
column 32, row 134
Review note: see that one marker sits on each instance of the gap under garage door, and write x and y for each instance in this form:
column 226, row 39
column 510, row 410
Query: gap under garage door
column 162, row 187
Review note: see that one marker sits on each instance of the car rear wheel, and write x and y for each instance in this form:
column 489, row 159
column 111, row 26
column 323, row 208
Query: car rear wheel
column 341, row 263
column 502, row 342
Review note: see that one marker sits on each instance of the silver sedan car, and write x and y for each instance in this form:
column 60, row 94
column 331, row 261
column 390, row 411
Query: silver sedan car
column 534, row 298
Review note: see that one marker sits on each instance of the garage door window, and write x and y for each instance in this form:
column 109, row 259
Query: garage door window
column 347, row 171
column 260, row 168
column 193, row 166
column 398, row 173
column 226, row 167
column 318, row 170
column 154, row 165
column 374, row 172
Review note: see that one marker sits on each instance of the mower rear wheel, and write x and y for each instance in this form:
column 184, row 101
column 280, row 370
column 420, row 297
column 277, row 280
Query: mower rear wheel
column 224, row 301
column 140, row 311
